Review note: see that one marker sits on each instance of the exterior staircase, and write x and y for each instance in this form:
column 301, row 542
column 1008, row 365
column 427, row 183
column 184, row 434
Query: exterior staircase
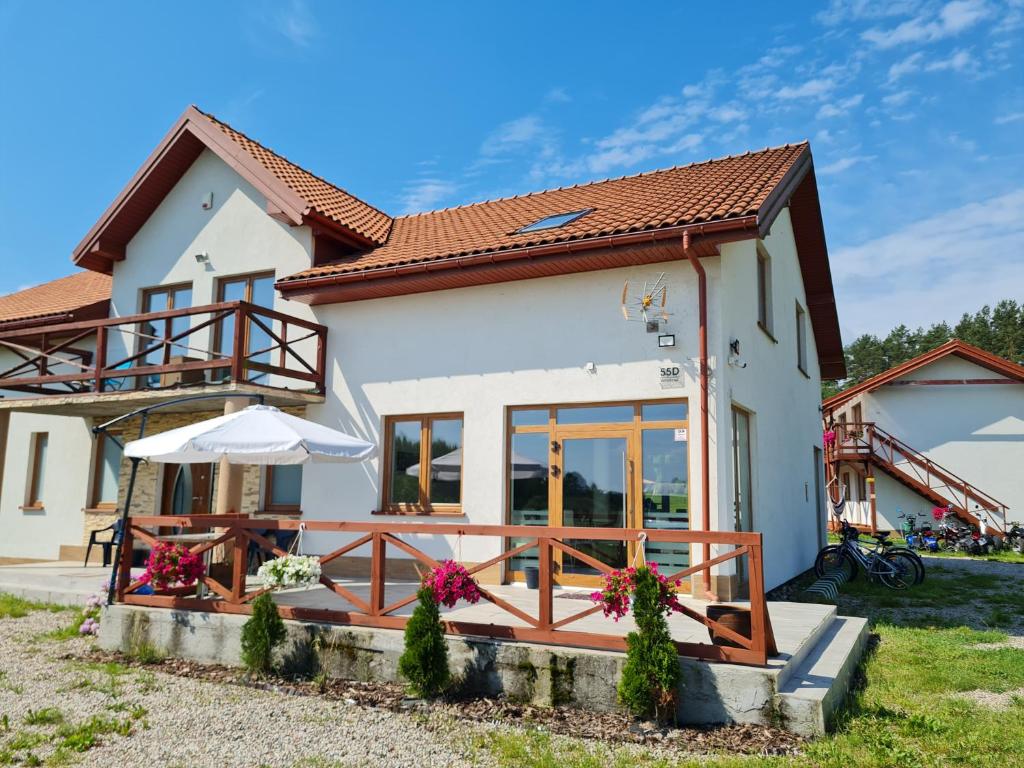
column 867, row 442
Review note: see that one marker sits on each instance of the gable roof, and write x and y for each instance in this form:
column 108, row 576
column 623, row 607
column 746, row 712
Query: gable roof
column 293, row 194
column 628, row 221
column 715, row 190
column 955, row 347
column 81, row 296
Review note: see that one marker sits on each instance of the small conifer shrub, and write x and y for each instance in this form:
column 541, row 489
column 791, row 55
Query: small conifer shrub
column 261, row 634
column 424, row 663
column 650, row 678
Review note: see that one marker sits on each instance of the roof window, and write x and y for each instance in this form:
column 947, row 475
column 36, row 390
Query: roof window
column 555, row 220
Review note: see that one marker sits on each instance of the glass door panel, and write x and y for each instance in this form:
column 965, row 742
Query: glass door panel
column 594, row 481
column 665, row 497
column 529, row 484
column 255, row 289
column 158, row 300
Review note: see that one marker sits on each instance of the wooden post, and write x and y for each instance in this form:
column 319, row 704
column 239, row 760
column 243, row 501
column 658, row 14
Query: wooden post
column 5, row 423
column 544, row 596
column 101, row 357
column 758, row 604
column 239, row 347
column 378, row 570
column 124, row 568
column 871, row 495
column 239, row 564
column 43, row 359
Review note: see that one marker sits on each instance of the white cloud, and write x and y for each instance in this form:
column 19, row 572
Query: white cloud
column 960, row 61
column 816, row 88
column 906, row 66
column 843, row 163
column 897, row 99
column 728, row 113
column 933, row 269
column 954, row 18
column 841, row 107
column 557, row 96
column 1010, row 117
column 513, row 135
column 296, row 23
column 426, row 194
column 840, row 11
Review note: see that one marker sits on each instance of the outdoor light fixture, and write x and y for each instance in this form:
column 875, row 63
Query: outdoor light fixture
column 667, row 340
column 202, row 258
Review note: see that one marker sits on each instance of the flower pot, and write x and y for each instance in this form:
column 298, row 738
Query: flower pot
column 532, row 574
column 731, row 617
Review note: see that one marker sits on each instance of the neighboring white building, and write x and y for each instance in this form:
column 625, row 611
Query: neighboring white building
column 487, row 341
column 946, row 428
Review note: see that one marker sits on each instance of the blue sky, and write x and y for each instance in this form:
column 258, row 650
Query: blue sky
column 914, row 109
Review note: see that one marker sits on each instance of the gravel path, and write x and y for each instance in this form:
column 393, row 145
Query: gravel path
column 1013, row 571
column 193, row 723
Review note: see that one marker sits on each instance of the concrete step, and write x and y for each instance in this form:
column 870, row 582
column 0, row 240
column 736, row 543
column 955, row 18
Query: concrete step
column 807, row 644
column 816, row 689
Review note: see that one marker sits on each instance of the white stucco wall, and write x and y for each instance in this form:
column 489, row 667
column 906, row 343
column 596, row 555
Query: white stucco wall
column 40, row 533
column 785, row 423
column 974, row 430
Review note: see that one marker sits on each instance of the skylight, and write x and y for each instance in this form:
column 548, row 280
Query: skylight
column 555, row 220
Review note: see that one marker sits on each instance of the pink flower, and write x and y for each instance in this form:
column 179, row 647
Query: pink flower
column 451, row 582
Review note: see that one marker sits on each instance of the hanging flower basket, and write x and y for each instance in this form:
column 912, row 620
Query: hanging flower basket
column 616, row 594
column 451, row 582
column 828, row 437
column 169, row 564
column 290, row 571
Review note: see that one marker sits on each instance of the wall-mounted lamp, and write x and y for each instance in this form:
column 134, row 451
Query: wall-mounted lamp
column 667, row 340
column 202, row 257
column 207, row 203
column 590, row 368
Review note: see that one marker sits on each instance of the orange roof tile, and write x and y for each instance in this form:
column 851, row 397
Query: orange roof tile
column 714, row 190
column 325, row 198
column 57, row 297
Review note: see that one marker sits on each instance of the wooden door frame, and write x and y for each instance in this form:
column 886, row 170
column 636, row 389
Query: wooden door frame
column 556, row 509
column 635, row 426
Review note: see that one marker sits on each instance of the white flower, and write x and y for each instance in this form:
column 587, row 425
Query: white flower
column 290, row 571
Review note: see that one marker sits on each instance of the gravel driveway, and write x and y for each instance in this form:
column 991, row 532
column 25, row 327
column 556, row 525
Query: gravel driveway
column 193, row 723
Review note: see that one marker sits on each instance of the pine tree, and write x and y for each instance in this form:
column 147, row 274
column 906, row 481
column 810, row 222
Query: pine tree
column 424, row 663
column 650, row 678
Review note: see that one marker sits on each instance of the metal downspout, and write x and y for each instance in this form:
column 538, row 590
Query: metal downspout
column 705, row 469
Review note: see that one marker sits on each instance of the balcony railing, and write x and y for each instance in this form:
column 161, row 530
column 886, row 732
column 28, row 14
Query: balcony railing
column 230, row 342
column 375, row 601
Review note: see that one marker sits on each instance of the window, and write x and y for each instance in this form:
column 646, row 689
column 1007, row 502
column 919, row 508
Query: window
column 258, row 289
column 801, row 339
column 282, row 492
column 37, row 471
column 857, row 414
column 412, row 443
column 556, row 220
column 847, row 495
column 862, row 488
column 764, row 290
column 159, row 300
column 107, row 472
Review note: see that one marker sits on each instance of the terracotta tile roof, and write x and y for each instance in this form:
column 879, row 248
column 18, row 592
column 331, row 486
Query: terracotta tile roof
column 714, row 190
column 57, row 297
column 325, row 198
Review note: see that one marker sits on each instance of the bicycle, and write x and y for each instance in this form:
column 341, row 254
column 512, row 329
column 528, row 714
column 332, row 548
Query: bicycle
column 896, row 568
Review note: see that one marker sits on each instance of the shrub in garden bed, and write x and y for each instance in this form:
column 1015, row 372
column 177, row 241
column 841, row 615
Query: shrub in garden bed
column 424, row 662
column 261, row 634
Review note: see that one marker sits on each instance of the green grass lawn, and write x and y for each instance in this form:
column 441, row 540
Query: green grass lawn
column 910, row 711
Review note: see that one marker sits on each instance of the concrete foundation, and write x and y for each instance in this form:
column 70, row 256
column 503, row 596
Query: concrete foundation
column 800, row 693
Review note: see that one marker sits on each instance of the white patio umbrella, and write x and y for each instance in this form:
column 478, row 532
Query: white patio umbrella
column 259, row 434
column 449, row 467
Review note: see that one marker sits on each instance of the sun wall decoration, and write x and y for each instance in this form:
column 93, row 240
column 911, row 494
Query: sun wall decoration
column 647, row 306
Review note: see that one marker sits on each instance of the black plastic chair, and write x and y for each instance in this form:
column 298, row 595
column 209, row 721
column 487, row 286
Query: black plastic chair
column 108, row 545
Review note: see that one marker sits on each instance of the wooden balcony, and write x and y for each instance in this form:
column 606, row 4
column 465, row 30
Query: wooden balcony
column 95, row 367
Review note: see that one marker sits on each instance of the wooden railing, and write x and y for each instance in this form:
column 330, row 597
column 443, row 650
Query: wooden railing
column 231, row 341
column 237, row 533
column 869, row 441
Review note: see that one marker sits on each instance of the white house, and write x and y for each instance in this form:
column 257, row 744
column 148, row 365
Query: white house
column 946, row 428
column 487, row 342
